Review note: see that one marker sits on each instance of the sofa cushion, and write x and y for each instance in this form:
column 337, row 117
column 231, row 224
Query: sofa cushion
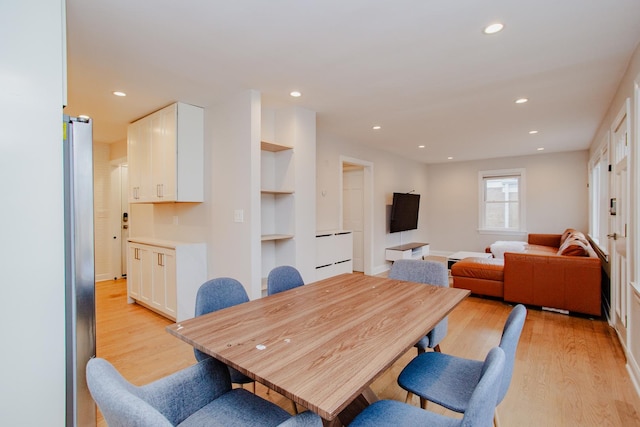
column 540, row 250
column 479, row 268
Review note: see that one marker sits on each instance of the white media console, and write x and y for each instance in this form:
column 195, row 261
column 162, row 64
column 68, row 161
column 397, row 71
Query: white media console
column 407, row 251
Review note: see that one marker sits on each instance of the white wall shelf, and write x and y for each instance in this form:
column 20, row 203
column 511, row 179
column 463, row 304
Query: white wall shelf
column 271, row 237
column 287, row 184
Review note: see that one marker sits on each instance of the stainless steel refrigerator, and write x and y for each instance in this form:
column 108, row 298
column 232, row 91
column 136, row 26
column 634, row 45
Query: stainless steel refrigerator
column 79, row 268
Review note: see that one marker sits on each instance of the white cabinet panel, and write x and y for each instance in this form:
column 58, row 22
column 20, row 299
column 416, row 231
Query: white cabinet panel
column 165, row 276
column 334, row 251
column 165, row 151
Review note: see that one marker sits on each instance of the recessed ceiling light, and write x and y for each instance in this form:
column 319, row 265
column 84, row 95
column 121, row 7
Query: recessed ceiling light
column 449, row 158
column 420, row 146
column 522, row 100
column 540, row 148
column 493, row 28
column 117, row 93
column 376, row 127
column 295, row 94
column 533, row 132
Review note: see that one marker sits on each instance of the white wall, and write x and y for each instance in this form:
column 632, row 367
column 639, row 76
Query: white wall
column 32, row 375
column 102, row 212
column 626, row 89
column 556, row 198
column 556, row 195
column 391, row 174
column 232, row 135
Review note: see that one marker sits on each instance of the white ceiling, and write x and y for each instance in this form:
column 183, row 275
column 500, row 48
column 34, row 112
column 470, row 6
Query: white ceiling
column 421, row 69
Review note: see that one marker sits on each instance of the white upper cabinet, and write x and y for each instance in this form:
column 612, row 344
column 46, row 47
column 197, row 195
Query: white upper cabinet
column 165, row 153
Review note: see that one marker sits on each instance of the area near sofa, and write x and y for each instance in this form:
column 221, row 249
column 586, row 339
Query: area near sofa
column 558, row 271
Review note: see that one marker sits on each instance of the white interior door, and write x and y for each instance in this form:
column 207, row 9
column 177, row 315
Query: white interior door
column 124, row 217
column 353, row 210
column 619, row 206
column 119, row 226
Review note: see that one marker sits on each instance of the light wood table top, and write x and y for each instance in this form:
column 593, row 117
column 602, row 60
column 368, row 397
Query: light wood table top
column 322, row 344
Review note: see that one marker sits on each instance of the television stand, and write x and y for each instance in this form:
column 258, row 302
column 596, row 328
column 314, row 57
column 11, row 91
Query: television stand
column 413, row 250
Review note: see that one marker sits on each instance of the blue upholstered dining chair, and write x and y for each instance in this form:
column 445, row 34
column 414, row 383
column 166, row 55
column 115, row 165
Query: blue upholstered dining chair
column 449, row 380
column 482, row 402
column 429, row 272
column 215, row 295
column 196, row 396
column 283, row 278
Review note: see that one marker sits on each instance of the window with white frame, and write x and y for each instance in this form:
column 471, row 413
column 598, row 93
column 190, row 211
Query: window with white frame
column 599, row 195
column 502, row 201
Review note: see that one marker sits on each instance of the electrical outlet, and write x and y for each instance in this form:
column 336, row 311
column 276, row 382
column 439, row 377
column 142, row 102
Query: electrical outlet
column 238, row 215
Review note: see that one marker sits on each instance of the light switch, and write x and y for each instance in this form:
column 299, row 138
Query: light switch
column 238, row 215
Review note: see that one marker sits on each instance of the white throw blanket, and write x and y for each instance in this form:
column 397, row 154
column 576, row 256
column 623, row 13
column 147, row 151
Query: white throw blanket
column 500, row 247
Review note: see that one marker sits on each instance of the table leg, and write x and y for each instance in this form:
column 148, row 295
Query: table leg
column 356, row 406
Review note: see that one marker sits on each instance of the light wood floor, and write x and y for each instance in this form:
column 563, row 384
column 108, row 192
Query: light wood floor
column 570, row 371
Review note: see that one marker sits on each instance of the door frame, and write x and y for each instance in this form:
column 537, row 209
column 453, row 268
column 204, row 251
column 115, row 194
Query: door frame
column 620, row 293
column 367, row 206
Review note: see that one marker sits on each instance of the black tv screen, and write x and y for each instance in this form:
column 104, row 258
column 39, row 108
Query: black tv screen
column 404, row 212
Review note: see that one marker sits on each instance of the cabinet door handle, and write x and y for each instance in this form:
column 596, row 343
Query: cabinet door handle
column 161, row 260
column 159, row 190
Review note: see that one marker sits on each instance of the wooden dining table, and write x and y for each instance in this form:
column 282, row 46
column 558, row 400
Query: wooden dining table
column 324, row 343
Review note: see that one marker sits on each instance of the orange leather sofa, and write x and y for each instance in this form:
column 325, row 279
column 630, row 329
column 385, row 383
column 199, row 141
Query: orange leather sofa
column 559, row 271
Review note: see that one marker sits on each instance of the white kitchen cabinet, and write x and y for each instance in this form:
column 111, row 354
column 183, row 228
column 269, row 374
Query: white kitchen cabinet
column 165, row 152
column 164, row 280
column 139, row 272
column 334, row 253
column 164, row 276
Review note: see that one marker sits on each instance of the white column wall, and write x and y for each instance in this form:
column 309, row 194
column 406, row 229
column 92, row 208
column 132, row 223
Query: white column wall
column 33, row 316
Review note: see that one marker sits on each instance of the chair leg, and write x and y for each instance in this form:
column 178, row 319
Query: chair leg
column 254, row 387
column 295, row 407
column 437, row 348
column 423, row 403
column 408, row 398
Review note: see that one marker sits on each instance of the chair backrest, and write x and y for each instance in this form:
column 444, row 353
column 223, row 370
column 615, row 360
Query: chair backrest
column 165, row 402
column 215, row 295
column 283, row 278
column 419, row 271
column 428, row 272
column 118, row 400
column 509, row 343
column 484, row 398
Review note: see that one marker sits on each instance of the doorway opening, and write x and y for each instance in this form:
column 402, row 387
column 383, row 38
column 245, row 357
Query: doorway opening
column 119, row 218
column 356, row 207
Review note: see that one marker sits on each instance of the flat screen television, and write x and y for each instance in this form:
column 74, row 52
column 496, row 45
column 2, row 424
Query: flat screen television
column 404, row 212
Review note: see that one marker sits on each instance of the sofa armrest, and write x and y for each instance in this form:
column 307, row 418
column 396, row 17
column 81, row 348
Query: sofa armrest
column 562, row 282
column 552, row 240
